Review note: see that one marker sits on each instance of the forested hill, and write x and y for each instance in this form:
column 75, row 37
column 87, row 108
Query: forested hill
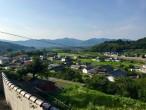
column 10, row 46
column 119, row 45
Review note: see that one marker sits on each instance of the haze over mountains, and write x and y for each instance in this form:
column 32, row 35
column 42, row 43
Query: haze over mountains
column 64, row 41
column 46, row 43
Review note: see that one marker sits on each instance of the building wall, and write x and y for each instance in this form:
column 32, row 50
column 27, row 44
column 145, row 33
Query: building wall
column 84, row 71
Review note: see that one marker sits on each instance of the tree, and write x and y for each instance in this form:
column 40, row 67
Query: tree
column 98, row 82
column 21, row 73
column 126, row 87
column 37, row 67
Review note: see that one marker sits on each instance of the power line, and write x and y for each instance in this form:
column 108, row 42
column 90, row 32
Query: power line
column 34, row 39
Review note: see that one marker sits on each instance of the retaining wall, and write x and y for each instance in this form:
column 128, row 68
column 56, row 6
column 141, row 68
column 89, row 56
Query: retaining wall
column 19, row 99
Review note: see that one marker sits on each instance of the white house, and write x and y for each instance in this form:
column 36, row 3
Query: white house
column 89, row 70
column 4, row 60
column 86, row 70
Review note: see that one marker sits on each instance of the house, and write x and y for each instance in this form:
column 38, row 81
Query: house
column 114, row 54
column 68, row 63
column 21, row 58
column 111, row 76
column 99, row 59
column 66, row 58
column 28, row 62
column 92, row 71
column 4, row 60
column 107, row 53
column 143, row 69
column 56, row 67
column 98, row 69
column 50, row 58
column 85, row 65
column 86, row 70
column 53, row 65
column 113, row 59
column 76, row 67
column 42, row 57
column 104, row 69
column 117, row 73
column 89, row 71
column 76, row 56
column 108, row 68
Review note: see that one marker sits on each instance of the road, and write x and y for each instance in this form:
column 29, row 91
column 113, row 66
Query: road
column 133, row 58
column 130, row 58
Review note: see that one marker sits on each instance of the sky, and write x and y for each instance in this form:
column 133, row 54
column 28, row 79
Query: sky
column 79, row 19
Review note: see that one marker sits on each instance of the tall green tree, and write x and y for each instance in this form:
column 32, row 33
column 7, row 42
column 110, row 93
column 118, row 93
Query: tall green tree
column 37, row 67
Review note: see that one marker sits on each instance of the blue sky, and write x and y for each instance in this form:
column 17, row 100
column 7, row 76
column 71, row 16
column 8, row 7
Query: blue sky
column 80, row 19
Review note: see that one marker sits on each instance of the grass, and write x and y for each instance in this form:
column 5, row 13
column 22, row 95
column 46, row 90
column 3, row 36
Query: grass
column 66, row 54
column 82, row 98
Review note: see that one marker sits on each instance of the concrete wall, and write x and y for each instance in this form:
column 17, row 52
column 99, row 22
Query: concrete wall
column 21, row 100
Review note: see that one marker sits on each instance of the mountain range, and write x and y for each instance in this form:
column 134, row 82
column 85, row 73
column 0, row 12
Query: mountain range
column 7, row 46
column 45, row 43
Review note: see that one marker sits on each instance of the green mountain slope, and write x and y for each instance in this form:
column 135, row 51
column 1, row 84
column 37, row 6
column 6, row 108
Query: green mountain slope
column 11, row 46
column 119, row 45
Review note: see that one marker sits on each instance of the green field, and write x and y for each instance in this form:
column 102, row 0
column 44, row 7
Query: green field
column 114, row 64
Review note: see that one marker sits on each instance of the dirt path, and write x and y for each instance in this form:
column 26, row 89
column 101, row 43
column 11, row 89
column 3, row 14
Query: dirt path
column 61, row 82
column 3, row 104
